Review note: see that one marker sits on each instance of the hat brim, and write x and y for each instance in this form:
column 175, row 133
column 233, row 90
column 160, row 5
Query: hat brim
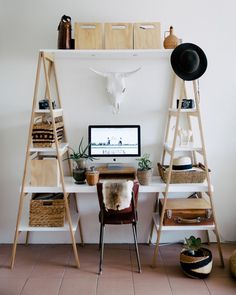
column 176, row 64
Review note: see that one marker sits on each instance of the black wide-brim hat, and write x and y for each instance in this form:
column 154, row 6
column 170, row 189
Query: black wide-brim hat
column 188, row 61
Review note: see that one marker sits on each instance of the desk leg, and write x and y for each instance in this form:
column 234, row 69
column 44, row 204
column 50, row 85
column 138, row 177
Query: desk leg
column 79, row 223
column 152, row 224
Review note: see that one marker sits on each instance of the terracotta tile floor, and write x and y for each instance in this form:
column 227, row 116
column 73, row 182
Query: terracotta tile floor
column 49, row 270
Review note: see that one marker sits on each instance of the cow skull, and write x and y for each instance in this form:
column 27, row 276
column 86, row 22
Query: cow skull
column 115, row 86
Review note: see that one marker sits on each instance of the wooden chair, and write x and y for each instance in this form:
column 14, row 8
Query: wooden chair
column 125, row 216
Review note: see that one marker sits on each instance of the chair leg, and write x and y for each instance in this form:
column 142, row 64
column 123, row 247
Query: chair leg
column 136, row 246
column 100, row 237
column 101, row 248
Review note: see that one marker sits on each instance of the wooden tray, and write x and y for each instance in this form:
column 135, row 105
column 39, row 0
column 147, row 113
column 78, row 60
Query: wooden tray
column 118, row 36
column 147, row 36
column 88, row 36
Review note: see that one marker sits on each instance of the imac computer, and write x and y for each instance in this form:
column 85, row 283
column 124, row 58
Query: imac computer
column 114, row 141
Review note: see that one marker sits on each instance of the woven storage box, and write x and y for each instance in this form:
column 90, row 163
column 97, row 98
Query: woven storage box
column 43, row 136
column 48, row 212
column 191, row 176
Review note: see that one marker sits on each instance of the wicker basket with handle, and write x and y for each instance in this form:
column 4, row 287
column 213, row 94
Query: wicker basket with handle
column 47, row 212
column 186, row 176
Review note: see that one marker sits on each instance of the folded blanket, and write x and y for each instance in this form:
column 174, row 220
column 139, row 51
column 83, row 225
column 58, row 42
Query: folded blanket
column 117, row 195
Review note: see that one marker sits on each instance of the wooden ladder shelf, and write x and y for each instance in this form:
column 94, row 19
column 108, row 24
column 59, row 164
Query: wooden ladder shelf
column 47, row 61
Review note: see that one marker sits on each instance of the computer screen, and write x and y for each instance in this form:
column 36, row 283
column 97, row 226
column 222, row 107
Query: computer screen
column 114, row 140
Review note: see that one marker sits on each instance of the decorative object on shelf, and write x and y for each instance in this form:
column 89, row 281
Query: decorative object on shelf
column 195, row 175
column 188, row 61
column 190, row 211
column 147, row 35
column 170, row 41
column 80, row 161
column 186, row 103
column 43, row 134
column 184, row 135
column 118, row 35
column 44, row 104
column 64, row 33
column 232, row 264
column 182, row 163
column 116, row 86
column 92, row 176
column 144, row 171
column 47, row 209
column 88, row 36
column 195, row 260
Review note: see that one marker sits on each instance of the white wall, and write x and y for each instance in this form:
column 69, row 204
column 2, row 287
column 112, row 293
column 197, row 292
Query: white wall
column 27, row 26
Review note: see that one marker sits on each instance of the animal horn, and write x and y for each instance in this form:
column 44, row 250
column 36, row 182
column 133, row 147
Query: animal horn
column 127, row 74
column 99, row 73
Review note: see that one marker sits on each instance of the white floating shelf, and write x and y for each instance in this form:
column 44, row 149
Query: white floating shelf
column 56, row 112
column 62, row 149
column 184, row 148
column 157, row 185
column 24, row 225
column 110, row 54
column 156, row 219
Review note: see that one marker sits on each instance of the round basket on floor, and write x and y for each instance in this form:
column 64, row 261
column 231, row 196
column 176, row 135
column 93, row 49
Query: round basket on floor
column 198, row 266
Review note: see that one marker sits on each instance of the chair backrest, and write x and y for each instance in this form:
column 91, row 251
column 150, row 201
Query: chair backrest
column 134, row 200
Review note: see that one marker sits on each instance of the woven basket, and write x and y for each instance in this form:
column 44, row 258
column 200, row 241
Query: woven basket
column 43, row 135
column 190, row 176
column 48, row 213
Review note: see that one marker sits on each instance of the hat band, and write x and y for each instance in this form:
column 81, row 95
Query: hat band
column 182, row 167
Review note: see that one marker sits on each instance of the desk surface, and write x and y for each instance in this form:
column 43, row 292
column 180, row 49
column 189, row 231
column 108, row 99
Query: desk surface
column 157, row 185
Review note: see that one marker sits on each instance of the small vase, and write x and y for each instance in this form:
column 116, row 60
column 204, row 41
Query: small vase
column 144, row 176
column 170, row 41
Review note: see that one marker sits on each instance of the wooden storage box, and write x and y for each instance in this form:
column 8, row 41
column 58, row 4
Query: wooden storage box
column 43, row 135
column 118, row 36
column 88, row 36
column 44, row 172
column 184, row 211
column 147, row 35
column 48, row 211
column 187, row 176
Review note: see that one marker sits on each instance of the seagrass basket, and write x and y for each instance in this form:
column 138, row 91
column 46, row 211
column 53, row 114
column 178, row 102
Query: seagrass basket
column 47, row 212
column 186, row 176
column 43, row 135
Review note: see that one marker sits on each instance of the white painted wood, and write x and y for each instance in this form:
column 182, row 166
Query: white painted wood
column 56, row 112
column 188, row 148
column 62, row 148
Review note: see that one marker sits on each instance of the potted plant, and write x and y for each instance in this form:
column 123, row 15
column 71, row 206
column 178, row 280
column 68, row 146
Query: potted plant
column 144, row 172
column 195, row 260
column 79, row 158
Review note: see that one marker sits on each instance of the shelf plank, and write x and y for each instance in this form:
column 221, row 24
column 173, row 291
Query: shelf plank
column 62, row 149
column 56, row 112
column 111, row 54
column 24, row 225
column 188, row 148
column 156, row 219
column 157, row 185
column 174, row 112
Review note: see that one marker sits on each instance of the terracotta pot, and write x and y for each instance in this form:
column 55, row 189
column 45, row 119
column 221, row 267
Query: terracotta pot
column 144, row 176
column 170, row 41
column 92, row 177
column 196, row 266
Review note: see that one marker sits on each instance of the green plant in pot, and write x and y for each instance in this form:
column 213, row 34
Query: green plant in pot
column 144, row 171
column 195, row 260
column 79, row 159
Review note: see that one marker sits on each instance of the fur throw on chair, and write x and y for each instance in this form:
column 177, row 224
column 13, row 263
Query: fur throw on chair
column 117, row 195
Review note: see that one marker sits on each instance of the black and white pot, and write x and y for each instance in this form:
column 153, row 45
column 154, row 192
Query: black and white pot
column 197, row 265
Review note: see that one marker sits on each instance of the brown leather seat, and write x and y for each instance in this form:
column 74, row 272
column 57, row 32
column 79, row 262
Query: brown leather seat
column 125, row 216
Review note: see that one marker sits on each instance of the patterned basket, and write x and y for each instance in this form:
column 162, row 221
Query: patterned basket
column 191, row 176
column 48, row 213
column 43, row 135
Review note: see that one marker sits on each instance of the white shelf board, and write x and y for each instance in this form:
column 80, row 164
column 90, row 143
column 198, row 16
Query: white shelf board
column 62, row 149
column 156, row 219
column 188, row 111
column 110, row 54
column 157, row 185
column 24, row 225
column 184, row 148
column 56, row 112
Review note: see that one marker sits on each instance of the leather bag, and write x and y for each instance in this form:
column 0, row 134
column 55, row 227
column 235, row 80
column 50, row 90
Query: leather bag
column 64, row 33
